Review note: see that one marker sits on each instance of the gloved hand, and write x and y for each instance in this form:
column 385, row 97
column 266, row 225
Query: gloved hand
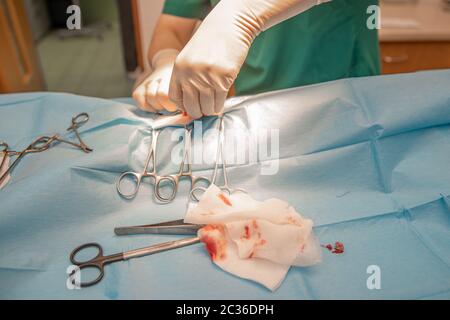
column 152, row 88
column 206, row 68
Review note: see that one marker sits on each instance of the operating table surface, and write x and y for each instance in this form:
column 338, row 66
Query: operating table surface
column 367, row 159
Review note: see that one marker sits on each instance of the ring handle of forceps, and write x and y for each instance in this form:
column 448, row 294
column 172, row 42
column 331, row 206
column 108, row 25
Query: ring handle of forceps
column 79, row 120
column 223, row 189
column 197, row 189
column 174, row 180
column 137, row 178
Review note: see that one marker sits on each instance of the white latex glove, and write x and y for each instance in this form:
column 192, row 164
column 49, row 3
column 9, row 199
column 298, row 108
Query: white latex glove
column 208, row 65
column 152, row 88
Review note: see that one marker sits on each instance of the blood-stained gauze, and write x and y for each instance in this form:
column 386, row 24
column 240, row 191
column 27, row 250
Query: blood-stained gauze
column 254, row 240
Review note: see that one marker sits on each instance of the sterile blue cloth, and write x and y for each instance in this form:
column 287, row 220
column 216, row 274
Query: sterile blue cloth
column 367, row 159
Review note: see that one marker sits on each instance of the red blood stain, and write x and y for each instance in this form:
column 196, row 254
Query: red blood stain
column 210, row 245
column 337, row 249
column 247, row 233
column 258, row 241
column 225, row 199
column 214, row 239
column 211, row 227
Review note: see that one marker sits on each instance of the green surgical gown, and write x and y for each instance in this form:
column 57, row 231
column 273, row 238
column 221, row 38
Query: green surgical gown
column 328, row 42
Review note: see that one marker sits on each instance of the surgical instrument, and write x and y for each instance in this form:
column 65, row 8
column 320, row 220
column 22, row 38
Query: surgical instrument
column 42, row 144
column 172, row 181
column 77, row 122
column 185, row 170
column 39, row 145
column 171, row 227
column 137, row 177
column 99, row 261
column 220, row 157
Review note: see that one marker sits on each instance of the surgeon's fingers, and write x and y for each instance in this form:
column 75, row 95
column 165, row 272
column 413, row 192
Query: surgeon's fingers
column 162, row 96
column 219, row 101
column 191, row 102
column 139, row 95
column 176, row 94
column 152, row 90
column 207, row 102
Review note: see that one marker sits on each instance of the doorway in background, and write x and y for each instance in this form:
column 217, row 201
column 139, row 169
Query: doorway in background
column 97, row 61
column 19, row 66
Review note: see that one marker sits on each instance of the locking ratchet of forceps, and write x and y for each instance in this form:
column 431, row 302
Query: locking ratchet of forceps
column 99, row 261
column 220, row 158
column 43, row 143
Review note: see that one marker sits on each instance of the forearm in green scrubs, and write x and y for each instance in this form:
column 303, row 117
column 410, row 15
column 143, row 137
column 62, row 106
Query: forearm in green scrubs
column 328, row 42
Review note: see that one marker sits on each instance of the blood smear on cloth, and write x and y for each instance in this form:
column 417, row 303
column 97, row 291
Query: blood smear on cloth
column 214, row 239
column 337, row 249
column 225, row 200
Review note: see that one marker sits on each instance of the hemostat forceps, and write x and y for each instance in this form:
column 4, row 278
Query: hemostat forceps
column 77, row 122
column 43, row 143
column 185, row 170
column 172, row 181
column 220, row 158
column 137, row 177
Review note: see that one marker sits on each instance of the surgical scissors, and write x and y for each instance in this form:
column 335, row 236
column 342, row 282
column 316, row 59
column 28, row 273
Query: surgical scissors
column 99, row 261
column 220, row 157
column 185, row 170
column 137, row 177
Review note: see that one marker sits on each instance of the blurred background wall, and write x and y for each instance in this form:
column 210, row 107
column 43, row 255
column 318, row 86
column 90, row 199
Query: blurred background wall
column 95, row 10
column 149, row 11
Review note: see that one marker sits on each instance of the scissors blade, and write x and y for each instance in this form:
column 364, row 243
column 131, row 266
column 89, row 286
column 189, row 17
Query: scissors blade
column 177, row 227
